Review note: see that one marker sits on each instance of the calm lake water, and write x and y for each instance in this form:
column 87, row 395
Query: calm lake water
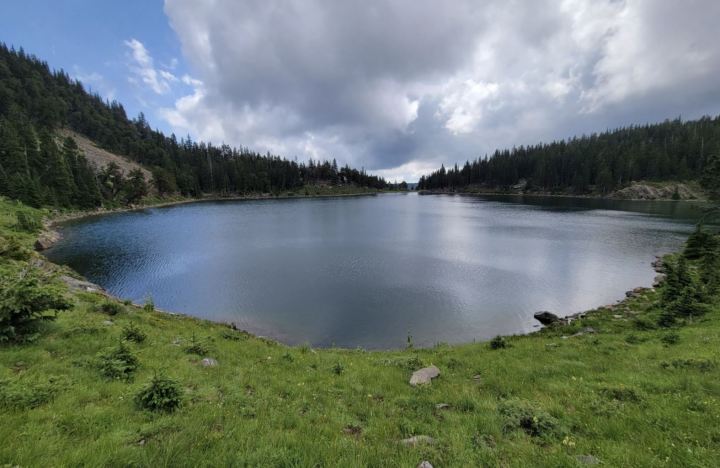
column 368, row 271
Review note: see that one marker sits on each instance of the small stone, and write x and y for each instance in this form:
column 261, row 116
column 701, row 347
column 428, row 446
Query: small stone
column 477, row 377
column 425, row 464
column 414, row 441
column 442, row 406
column 141, row 442
column 108, row 323
column 584, row 331
column 587, row 459
column 208, row 362
column 617, row 316
column 424, row 375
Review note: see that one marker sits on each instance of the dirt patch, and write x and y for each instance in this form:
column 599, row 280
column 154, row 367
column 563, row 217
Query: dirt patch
column 100, row 158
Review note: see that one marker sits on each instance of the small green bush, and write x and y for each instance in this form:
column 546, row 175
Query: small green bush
column 160, row 394
column 621, row 393
column 702, row 365
column 522, row 414
column 12, row 248
column 27, row 300
column 119, row 363
column 643, row 324
column 498, row 343
column 110, row 308
column 338, row 368
column 132, row 332
column 197, row 346
column 149, row 305
column 28, row 222
column 670, row 339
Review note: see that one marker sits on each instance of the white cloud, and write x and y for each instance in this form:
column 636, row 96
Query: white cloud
column 143, row 67
column 398, row 86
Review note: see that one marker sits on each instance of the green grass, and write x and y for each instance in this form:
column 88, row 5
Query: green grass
column 626, row 395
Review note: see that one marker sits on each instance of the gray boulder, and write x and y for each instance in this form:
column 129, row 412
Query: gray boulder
column 209, row 362
column 546, row 318
column 424, row 375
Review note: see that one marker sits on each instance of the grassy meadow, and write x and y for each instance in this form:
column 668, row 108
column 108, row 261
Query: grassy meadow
column 626, row 393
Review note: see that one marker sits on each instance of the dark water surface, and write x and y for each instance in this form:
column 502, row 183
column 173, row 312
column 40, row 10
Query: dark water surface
column 368, row 271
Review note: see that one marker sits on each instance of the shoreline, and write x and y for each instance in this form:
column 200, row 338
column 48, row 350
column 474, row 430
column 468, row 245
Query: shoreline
column 49, row 235
column 555, row 195
column 77, row 282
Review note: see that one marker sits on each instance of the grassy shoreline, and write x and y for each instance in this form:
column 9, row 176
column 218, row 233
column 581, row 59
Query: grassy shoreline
column 623, row 393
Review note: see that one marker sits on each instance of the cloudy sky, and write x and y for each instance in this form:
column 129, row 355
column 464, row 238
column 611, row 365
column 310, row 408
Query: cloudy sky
column 395, row 86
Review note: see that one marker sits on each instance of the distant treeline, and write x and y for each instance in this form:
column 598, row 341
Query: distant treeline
column 672, row 150
column 36, row 101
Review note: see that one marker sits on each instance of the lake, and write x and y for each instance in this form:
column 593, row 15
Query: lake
column 369, row 271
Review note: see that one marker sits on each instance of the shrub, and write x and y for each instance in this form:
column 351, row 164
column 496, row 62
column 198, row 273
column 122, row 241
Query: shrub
column 197, row 346
column 132, row 332
column 666, row 319
column 670, row 339
column 12, row 248
column 498, row 343
column 149, row 305
column 522, row 414
column 160, row 394
column 110, row 308
column 643, row 323
column 621, row 393
column 26, row 301
column 338, row 368
column 28, row 222
column 119, row 363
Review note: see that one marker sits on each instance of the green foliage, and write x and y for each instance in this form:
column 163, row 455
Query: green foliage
column 12, row 248
column 26, row 299
column 525, row 415
column 27, row 395
column 197, row 346
column 110, row 308
column 338, row 368
column 160, row 394
column 35, row 102
column 28, row 222
column 671, row 150
column 149, row 305
column 699, row 243
column 498, row 343
column 118, row 363
column 132, row 332
column 670, row 339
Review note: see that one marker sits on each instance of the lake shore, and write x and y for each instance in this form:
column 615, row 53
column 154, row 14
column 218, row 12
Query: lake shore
column 50, row 234
column 597, row 387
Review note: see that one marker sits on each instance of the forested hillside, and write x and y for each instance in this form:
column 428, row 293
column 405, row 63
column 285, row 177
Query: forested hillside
column 39, row 169
column 600, row 163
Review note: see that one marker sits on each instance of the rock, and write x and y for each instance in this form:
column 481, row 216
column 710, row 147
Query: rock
column 546, row 318
column 442, row 406
column 585, row 331
column 46, row 239
column 414, row 441
column 209, row 362
column 108, row 323
column 80, row 285
column 424, row 375
column 587, row 459
column 636, row 292
column 659, row 265
column 425, row 464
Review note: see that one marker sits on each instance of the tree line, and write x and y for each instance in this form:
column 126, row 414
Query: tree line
column 600, row 162
column 38, row 169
